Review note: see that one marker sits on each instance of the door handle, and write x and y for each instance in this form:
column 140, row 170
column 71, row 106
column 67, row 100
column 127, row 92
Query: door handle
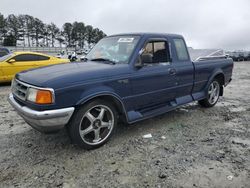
column 172, row 71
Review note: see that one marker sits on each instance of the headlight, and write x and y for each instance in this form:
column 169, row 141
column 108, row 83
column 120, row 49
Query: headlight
column 40, row 96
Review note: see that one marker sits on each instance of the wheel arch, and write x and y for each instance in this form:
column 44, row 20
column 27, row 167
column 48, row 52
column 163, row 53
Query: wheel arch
column 219, row 75
column 107, row 96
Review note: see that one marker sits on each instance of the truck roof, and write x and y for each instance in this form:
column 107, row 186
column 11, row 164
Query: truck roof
column 150, row 34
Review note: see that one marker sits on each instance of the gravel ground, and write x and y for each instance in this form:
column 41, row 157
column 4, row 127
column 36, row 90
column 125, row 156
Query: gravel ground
column 190, row 147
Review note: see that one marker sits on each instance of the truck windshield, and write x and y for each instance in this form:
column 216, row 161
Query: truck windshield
column 116, row 49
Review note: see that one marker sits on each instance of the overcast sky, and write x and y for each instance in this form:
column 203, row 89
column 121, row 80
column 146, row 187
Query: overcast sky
column 204, row 23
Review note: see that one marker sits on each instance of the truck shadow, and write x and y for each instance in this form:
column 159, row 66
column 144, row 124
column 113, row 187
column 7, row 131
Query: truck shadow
column 60, row 141
column 155, row 124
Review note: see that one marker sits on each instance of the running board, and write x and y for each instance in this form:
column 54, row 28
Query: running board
column 155, row 110
column 162, row 109
column 134, row 116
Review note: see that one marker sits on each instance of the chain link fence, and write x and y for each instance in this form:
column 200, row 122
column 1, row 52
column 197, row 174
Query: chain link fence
column 46, row 50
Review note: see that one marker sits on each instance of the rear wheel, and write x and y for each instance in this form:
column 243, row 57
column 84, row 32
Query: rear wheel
column 213, row 94
column 93, row 124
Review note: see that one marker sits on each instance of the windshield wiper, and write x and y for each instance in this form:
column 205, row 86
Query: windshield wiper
column 104, row 60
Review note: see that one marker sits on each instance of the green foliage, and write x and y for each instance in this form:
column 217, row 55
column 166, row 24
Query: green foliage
column 9, row 40
column 53, row 32
column 13, row 26
column 67, row 32
column 78, row 34
column 31, row 31
column 2, row 24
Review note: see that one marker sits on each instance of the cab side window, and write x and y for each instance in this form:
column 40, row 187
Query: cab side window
column 30, row 57
column 181, row 50
column 24, row 57
column 158, row 50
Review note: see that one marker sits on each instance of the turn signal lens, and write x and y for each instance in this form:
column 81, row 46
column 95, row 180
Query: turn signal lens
column 40, row 96
column 44, row 97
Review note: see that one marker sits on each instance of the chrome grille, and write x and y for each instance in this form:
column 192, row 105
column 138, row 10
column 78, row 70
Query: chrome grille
column 19, row 89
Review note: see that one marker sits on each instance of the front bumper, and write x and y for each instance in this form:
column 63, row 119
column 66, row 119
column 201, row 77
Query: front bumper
column 43, row 121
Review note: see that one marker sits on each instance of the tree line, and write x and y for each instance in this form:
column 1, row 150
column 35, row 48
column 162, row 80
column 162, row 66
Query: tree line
column 30, row 31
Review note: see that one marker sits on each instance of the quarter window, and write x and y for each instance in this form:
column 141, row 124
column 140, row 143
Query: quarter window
column 181, row 50
column 42, row 58
column 158, row 50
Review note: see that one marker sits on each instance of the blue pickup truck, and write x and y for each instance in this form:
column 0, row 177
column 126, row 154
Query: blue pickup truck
column 126, row 77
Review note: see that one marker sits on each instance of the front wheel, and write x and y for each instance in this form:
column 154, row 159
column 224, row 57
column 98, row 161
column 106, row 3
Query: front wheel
column 213, row 94
column 93, row 124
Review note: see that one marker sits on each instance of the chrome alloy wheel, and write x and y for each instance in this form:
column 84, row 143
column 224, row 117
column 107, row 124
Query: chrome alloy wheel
column 96, row 125
column 213, row 92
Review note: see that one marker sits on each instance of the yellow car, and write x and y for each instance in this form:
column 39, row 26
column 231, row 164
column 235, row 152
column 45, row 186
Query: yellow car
column 18, row 61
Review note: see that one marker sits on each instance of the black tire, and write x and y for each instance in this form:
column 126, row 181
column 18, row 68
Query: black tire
column 80, row 130
column 208, row 102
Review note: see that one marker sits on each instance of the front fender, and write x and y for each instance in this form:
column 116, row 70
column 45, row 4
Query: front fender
column 96, row 92
column 102, row 91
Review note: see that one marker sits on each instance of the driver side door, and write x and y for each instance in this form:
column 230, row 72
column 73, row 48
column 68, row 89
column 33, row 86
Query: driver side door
column 154, row 83
column 2, row 76
column 17, row 64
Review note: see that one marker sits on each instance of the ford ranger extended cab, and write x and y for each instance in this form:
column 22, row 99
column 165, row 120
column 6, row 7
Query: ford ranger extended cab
column 128, row 77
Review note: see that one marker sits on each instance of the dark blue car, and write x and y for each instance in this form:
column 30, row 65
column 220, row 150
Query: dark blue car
column 4, row 51
column 126, row 77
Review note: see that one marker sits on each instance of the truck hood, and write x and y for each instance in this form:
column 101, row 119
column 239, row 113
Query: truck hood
column 63, row 75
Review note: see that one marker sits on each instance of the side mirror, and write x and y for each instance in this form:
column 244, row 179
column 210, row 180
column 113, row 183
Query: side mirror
column 11, row 61
column 146, row 58
column 138, row 64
